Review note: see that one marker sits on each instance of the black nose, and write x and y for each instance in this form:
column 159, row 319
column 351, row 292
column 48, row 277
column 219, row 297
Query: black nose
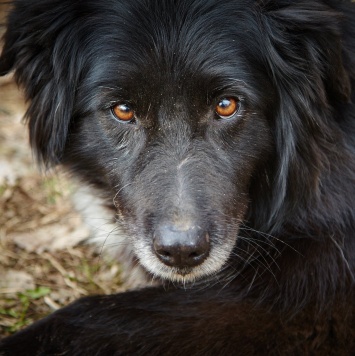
column 181, row 248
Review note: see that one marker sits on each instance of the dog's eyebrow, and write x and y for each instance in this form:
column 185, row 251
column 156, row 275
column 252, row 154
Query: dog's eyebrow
column 232, row 86
column 111, row 94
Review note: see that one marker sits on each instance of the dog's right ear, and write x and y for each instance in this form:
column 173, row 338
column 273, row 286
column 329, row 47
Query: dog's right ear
column 38, row 47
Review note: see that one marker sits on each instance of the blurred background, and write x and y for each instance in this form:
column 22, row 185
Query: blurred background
column 44, row 262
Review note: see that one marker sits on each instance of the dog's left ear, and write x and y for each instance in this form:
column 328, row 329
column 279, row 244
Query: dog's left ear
column 307, row 39
column 38, row 46
column 304, row 45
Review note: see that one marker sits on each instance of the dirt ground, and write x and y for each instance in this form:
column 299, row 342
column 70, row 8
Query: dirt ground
column 43, row 262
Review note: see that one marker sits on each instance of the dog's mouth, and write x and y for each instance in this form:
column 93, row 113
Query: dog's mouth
column 184, row 271
column 210, row 265
column 185, row 250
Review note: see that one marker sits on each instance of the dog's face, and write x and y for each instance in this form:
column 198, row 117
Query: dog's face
column 172, row 108
column 175, row 122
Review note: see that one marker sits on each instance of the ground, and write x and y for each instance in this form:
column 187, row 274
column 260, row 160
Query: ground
column 44, row 263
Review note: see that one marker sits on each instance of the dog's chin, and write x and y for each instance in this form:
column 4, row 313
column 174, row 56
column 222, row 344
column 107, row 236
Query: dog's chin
column 213, row 264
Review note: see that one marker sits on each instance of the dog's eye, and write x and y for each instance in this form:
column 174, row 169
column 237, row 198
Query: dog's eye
column 123, row 112
column 227, row 107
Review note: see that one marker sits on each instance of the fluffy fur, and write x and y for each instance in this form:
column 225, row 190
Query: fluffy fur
column 272, row 187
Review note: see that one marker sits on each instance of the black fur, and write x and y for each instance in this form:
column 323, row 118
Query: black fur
column 274, row 186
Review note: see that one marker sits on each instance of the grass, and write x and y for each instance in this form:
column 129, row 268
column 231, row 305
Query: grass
column 35, row 282
column 57, row 277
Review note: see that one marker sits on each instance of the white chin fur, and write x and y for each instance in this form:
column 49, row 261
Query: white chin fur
column 212, row 265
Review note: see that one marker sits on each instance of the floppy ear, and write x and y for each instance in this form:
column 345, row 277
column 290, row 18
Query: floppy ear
column 303, row 48
column 38, row 45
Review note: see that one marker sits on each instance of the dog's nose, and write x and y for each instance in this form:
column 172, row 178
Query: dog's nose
column 181, row 248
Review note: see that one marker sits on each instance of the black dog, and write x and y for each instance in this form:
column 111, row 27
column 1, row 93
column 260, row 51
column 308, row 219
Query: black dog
column 224, row 134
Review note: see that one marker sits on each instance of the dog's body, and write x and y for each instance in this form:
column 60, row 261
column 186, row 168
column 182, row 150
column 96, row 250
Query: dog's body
column 224, row 135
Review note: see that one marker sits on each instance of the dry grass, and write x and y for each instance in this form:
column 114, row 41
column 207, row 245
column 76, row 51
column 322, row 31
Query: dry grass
column 38, row 277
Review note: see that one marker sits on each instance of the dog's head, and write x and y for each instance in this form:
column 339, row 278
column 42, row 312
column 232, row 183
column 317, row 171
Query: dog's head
column 195, row 117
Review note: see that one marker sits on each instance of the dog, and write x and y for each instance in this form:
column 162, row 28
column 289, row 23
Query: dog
column 222, row 137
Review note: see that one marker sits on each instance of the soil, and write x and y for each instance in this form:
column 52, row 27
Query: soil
column 44, row 263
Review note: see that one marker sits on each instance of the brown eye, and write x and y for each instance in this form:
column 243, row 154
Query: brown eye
column 123, row 112
column 227, row 107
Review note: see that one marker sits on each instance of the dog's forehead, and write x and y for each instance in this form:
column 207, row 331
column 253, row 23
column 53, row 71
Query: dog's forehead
column 186, row 34
column 176, row 31
column 173, row 45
